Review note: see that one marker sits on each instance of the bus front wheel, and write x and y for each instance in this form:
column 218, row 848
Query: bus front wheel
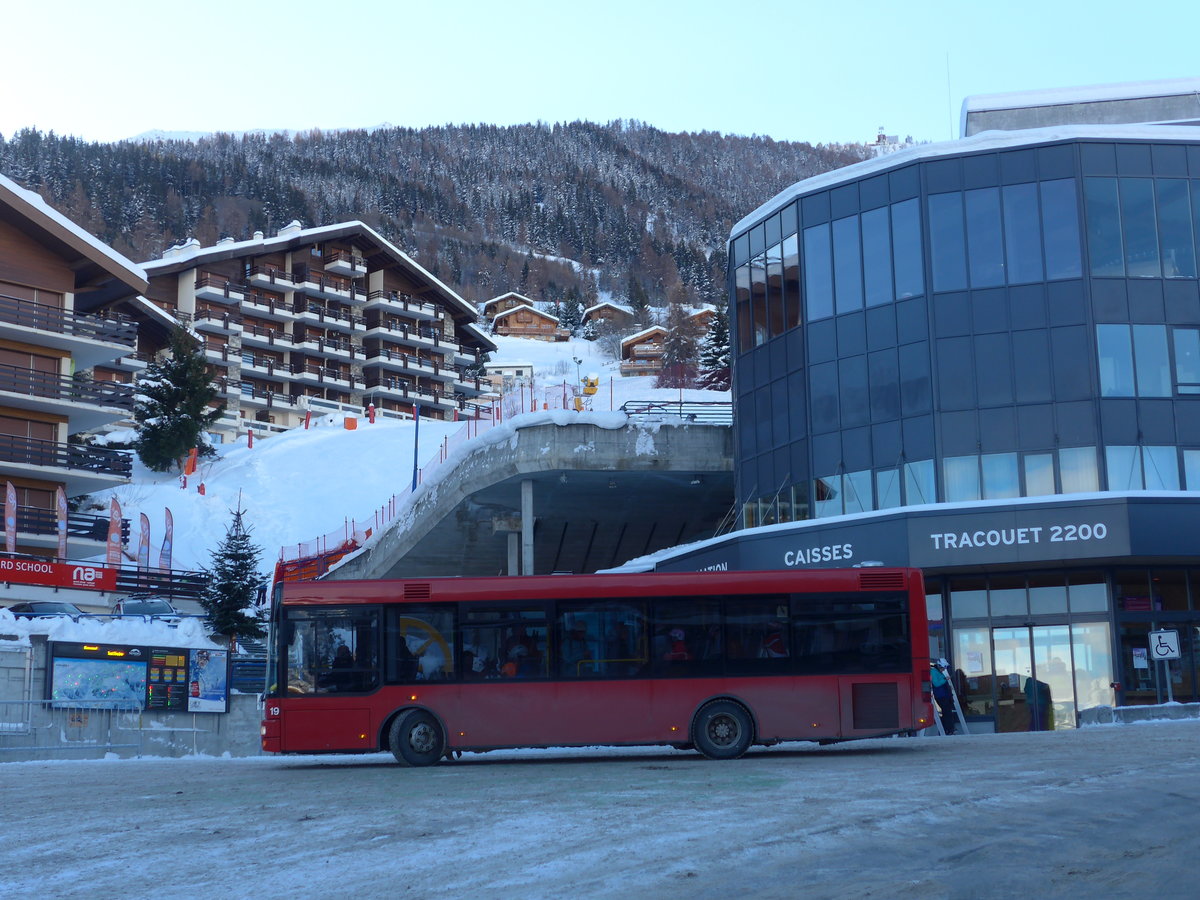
column 722, row 730
column 416, row 739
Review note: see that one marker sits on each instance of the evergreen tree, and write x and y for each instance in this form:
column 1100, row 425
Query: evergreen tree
column 639, row 302
column 234, row 583
column 172, row 409
column 570, row 314
column 590, row 331
column 679, row 349
column 714, row 353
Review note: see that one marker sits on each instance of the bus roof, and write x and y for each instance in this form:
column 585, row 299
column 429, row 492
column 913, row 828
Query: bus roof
column 617, row 585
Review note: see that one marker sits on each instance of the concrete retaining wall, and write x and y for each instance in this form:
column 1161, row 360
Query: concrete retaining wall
column 1124, row 715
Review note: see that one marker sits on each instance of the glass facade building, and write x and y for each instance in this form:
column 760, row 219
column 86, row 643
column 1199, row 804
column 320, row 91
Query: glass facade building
column 982, row 358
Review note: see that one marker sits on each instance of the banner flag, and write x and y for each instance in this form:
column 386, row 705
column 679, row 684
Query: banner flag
column 164, row 556
column 143, row 561
column 112, row 557
column 60, row 504
column 10, row 517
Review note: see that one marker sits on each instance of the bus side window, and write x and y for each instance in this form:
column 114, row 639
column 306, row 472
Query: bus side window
column 504, row 642
column 688, row 637
column 419, row 642
column 601, row 640
column 759, row 638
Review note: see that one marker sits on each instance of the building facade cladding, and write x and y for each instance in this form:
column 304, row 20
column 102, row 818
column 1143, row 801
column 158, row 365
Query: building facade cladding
column 954, row 334
column 318, row 317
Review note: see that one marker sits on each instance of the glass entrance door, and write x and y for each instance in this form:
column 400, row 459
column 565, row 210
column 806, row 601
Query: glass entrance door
column 1034, row 687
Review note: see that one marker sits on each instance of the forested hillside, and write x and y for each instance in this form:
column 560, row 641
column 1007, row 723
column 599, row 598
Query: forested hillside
column 487, row 209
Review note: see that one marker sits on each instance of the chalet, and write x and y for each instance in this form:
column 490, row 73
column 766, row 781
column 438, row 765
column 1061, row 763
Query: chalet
column 612, row 314
column 642, row 353
column 529, row 322
column 505, row 302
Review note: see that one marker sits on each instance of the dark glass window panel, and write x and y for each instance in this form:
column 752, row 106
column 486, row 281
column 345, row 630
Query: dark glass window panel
column 823, row 395
column 994, row 365
column 985, row 247
column 915, row 396
column 791, row 281
column 851, row 335
column 1067, row 347
column 741, row 249
column 1103, row 226
column 1032, row 373
column 884, row 376
column 744, row 320
column 775, row 296
column 1175, row 228
column 790, row 219
column 877, row 257
column 818, row 273
column 757, row 240
column 758, row 298
column 1022, row 233
column 773, row 230
column 762, row 417
column 907, row 256
column 852, row 378
column 1187, row 360
column 1060, row 229
column 955, row 371
column 847, row 265
column 1139, row 227
column 947, row 245
column 1150, row 360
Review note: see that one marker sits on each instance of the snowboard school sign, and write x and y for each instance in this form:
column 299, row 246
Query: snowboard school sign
column 48, row 573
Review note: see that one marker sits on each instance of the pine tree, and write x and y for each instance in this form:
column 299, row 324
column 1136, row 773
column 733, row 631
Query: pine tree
column 570, row 314
column 679, row 349
column 234, row 583
column 714, row 353
column 172, row 409
column 639, row 302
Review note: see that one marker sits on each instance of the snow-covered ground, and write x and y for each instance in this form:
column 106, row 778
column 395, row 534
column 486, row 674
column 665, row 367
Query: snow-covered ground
column 304, row 484
column 1105, row 811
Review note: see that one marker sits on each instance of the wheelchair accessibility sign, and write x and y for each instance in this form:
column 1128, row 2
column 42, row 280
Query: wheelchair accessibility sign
column 1164, row 645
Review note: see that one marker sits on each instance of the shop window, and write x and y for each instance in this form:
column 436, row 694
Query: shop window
column 1169, row 589
column 1078, row 470
column 1007, row 597
column 1087, row 592
column 1047, row 594
column 968, row 598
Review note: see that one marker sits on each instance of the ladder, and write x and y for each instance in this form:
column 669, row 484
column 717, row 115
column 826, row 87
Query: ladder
column 937, row 717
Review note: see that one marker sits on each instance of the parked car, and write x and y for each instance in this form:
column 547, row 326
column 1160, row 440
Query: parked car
column 147, row 608
column 36, row 609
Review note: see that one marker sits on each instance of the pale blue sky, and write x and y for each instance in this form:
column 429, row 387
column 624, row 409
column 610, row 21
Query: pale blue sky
column 820, row 72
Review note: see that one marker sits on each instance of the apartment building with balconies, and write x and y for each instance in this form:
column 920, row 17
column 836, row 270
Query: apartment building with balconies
column 52, row 274
column 319, row 316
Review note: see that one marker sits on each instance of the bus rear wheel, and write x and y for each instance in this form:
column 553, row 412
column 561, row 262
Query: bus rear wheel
column 416, row 739
column 722, row 730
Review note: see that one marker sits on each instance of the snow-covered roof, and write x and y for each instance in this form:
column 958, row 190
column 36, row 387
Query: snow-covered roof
column 532, row 309
column 190, row 254
column 608, row 304
column 979, row 143
column 645, row 332
column 514, row 295
column 1130, row 90
column 49, row 220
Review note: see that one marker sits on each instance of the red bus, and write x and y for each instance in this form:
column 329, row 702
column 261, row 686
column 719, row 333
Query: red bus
column 715, row 661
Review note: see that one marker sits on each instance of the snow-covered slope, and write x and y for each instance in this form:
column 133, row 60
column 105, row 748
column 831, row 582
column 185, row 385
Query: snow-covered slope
column 301, row 485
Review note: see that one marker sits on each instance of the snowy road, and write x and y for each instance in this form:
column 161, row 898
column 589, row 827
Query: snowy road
column 1104, row 811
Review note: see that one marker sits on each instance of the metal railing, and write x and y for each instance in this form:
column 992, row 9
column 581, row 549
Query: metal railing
column 114, row 328
column 38, row 452
column 27, row 382
column 70, row 726
column 704, row 412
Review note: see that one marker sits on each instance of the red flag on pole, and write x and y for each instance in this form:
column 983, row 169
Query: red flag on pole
column 143, row 561
column 164, row 556
column 10, row 517
column 60, row 504
column 112, row 556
